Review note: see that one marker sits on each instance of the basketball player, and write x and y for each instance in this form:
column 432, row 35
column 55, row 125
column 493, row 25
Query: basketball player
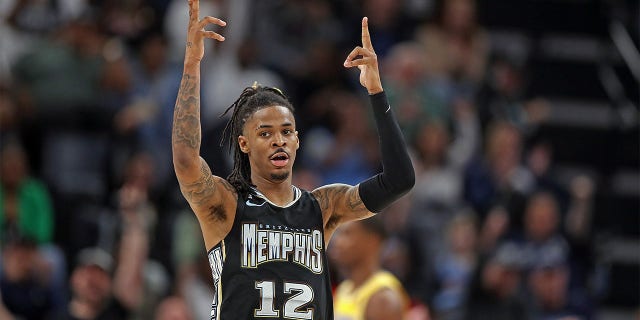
column 265, row 237
column 368, row 292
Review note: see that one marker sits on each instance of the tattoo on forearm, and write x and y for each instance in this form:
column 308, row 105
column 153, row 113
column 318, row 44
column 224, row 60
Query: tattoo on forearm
column 186, row 116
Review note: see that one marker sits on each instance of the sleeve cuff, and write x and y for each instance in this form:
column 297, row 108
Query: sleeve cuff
column 379, row 101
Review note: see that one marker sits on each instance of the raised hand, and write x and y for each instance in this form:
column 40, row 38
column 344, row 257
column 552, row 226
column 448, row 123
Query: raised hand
column 197, row 33
column 366, row 60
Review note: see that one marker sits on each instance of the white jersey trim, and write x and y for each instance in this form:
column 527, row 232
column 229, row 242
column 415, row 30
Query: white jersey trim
column 296, row 191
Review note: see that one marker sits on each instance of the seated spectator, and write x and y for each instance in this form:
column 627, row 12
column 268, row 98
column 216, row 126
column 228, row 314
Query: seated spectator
column 26, row 209
column 502, row 97
column 409, row 90
column 500, row 178
column 494, row 293
column 193, row 273
column 542, row 239
column 25, row 204
column 347, row 153
column 439, row 191
column 454, row 268
column 457, row 46
column 92, row 289
column 551, row 296
column 26, row 290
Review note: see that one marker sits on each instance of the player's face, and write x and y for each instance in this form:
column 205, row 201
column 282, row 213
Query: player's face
column 270, row 139
column 348, row 244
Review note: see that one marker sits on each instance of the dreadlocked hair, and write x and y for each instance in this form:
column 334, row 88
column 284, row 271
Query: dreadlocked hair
column 251, row 100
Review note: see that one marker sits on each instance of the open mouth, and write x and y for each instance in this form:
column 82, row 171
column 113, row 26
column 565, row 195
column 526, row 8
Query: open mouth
column 279, row 159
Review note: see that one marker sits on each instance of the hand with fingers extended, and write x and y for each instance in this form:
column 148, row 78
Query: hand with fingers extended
column 197, row 32
column 366, row 60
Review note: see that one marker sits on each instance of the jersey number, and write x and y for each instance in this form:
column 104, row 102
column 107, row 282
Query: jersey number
column 301, row 294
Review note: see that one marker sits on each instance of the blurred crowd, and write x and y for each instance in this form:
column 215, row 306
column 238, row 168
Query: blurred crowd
column 93, row 225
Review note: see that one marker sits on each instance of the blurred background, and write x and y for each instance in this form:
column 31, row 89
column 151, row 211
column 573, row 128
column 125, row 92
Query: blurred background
column 521, row 116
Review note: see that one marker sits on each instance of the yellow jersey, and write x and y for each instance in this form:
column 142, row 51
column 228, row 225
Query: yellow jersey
column 351, row 303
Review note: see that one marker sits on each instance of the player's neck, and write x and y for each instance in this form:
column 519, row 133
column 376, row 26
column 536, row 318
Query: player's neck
column 279, row 193
column 362, row 272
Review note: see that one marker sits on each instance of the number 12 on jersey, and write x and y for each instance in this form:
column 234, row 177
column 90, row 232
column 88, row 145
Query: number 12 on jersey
column 301, row 294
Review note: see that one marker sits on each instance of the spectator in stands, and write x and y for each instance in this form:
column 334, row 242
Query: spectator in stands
column 494, row 292
column 25, row 282
column 438, row 195
column 9, row 112
column 579, row 230
column 26, row 209
column 367, row 291
column 173, row 308
column 499, row 179
column 551, row 295
column 65, row 84
column 540, row 162
column 388, row 23
column 454, row 268
column 143, row 280
column 347, row 153
column 100, row 287
column 192, row 271
column 24, row 23
column 408, row 88
column 542, row 238
column 441, row 159
column 146, row 119
column 457, row 47
column 92, row 289
column 502, row 97
column 286, row 45
column 25, row 204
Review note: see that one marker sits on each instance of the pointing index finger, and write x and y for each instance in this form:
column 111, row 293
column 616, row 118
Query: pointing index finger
column 366, row 38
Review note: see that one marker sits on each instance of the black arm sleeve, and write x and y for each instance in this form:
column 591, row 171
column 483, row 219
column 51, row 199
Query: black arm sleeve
column 397, row 176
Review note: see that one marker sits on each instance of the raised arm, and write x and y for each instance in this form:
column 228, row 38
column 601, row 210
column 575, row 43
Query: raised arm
column 211, row 198
column 341, row 203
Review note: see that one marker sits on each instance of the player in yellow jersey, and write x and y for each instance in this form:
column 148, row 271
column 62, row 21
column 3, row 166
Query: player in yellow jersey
column 368, row 292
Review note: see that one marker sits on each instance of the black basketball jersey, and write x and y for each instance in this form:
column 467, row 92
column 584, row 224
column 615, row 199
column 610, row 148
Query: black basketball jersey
column 272, row 264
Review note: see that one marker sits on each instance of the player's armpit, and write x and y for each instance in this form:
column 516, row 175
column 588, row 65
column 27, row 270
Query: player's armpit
column 340, row 203
column 212, row 199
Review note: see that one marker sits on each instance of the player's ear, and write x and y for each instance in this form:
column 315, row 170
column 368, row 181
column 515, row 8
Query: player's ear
column 297, row 140
column 243, row 144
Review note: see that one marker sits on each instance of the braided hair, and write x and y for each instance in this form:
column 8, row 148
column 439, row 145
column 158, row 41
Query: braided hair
column 251, row 99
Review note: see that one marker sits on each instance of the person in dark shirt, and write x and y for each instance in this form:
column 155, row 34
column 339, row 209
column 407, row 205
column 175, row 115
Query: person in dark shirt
column 91, row 289
column 495, row 290
column 26, row 292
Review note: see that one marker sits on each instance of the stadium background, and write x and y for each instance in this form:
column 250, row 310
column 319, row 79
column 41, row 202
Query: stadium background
column 503, row 102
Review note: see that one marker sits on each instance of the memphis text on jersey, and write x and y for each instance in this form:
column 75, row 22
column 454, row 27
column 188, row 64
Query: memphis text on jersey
column 269, row 243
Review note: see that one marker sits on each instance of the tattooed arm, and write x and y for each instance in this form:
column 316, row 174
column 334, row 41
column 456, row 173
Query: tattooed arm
column 211, row 198
column 339, row 203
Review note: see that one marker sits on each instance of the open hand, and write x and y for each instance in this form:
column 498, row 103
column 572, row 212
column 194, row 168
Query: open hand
column 196, row 32
column 366, row 60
